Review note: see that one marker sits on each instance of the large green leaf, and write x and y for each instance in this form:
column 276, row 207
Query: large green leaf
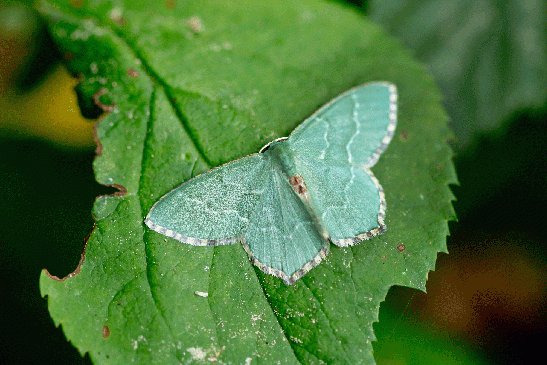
column 489, row 57
column 190, row 86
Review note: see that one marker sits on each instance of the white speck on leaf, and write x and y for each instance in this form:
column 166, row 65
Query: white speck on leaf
column 116, row 13
column 94, row 67
column 197, row 353
column 79, row 34
column 195, row 24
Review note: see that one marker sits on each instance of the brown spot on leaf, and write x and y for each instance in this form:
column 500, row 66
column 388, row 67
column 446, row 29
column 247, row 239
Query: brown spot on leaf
column 76, row 3
column 170, row 5
column 401, row 247
column 404, row 135
column 97, row 99
column 106, row 331
column 133, row 73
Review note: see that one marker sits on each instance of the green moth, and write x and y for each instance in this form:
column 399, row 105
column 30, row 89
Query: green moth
column 285, row 203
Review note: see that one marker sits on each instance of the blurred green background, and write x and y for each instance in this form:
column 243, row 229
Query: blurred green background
column 486, row 298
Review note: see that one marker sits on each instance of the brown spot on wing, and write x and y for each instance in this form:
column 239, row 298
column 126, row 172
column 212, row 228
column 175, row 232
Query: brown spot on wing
column 298, row 184
column 296, row 179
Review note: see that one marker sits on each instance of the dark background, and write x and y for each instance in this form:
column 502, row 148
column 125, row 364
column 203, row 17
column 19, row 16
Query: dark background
column 488, row 296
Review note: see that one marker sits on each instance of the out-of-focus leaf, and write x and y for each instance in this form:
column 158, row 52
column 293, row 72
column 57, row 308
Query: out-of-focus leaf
column 489, row 57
